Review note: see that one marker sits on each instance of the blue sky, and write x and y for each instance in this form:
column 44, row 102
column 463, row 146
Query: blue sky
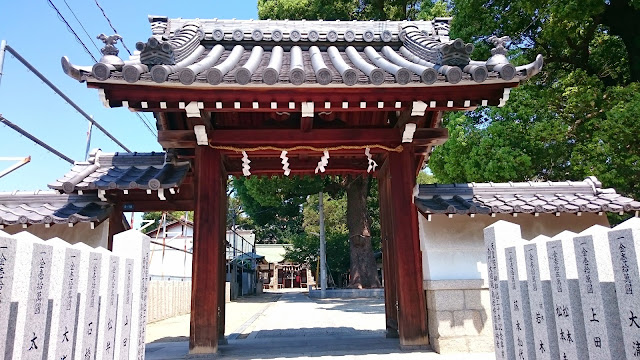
column 34, row 30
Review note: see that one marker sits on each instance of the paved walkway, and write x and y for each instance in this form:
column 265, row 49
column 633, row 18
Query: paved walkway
column 290, row 325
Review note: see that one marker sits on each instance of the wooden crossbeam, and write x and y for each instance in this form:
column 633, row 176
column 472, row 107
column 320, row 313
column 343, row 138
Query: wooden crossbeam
column 322, row 138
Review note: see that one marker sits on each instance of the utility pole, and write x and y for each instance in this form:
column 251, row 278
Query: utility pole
column 323, row 251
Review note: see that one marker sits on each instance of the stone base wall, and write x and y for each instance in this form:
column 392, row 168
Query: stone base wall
column 168, row 298
column 459, row 316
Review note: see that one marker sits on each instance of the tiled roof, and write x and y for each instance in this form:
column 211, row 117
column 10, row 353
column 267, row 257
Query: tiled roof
column 525, row 197
column 266, row 52
column 50, row 207
column 126, row 171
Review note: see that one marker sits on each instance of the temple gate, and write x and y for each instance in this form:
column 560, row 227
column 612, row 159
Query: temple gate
column 281, row 98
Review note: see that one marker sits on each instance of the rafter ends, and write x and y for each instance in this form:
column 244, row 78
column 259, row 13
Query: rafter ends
column 363, row 104
column 101, row 195
column 485, row 102
column 467, row 103
column 201, row 134
column 256, row 105
column 181, row 105
column 409, row 130
column 200, row 105
column 172, row 191
column 307, row 109
column 418, row 109
column 218, row 105
column 144, row 105
column 292, row 105
column 380, row 104
column 345, row 104
column 163, row 104
column 161, row 194
column 103, row 98
column 148, row 191
column 236, row 105
column 192, row 110
column 327, row 104
column 433, row 104
column 450, row 103
column 505, row 97
column 274, row 105
column 125, row 191
column 398, row 104
column 125, row 103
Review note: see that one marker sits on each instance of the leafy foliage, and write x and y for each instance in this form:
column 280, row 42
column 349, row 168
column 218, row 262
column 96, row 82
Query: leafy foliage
column 574, row 119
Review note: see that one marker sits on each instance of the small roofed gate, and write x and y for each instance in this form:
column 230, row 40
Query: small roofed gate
column 290, row 98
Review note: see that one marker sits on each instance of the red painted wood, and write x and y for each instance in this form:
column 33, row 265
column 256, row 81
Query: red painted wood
column 388, row 255
column 412, row 317
column 115, row 224
column 134, row 94
column 207, row 246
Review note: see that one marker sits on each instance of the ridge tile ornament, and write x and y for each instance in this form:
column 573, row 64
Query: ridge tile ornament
column 301, row 53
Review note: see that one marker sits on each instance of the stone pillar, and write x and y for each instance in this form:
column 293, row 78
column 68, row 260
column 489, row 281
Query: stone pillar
column 624, row 244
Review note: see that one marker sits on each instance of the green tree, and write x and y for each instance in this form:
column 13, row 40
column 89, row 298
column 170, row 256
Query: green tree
column 574, row 119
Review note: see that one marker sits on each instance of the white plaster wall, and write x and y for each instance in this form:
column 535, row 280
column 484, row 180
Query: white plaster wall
column 453, row 248
column 173, row 263
column 80, row 232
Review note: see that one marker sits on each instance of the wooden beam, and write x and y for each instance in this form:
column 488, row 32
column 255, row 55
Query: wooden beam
column 306, row 124
column 208, row 243
column 115, row 224
column 135, row 95
column 283, row 137
column 412, row 317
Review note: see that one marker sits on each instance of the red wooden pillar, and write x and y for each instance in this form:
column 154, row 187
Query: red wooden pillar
column 412, row 310
column 222, row 276
column 115, row 224
column 209, row 230
column 388, row 256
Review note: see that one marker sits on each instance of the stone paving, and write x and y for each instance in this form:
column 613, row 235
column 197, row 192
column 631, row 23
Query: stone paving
column 289, row 325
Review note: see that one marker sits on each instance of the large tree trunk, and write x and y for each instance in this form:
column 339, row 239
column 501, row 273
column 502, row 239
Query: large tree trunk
column 622, row 19
column 363, row 271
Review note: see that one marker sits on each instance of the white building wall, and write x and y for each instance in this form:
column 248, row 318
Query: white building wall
column 453, row 248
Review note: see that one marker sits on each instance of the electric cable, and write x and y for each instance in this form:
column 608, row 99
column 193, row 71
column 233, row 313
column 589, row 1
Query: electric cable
column 71, row 29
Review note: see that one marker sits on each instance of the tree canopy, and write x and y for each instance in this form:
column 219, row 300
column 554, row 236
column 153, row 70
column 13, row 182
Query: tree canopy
column 574, row 119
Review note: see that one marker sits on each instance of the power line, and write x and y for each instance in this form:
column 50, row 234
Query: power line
column 111, row 25
column 35, row 139
column 82, row 26
column 62, row 95
column 146, row 124
column 71, row 30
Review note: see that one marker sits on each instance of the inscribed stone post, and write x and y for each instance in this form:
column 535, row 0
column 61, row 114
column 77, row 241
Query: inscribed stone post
column 136, row 245
column 540, row 299
column 89, row 288
column 598, row 295
column 496, row 238
column 572, row 341
column 33, row 299
column 64, row 296
column 123, row 331
column 519, row 300
column 7, row 267
column 624, row 244
column 108, row 305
